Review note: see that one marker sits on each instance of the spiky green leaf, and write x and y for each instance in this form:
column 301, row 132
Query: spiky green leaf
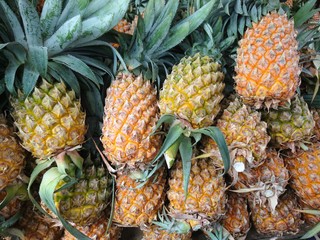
column 29, row 79
column 304, row 13
column 77, row 65
column 185, row 150
column 64, row 36
column 63, row 73
column 12, row 22
column 49, row 17
column 38, row 59
column 31, row 23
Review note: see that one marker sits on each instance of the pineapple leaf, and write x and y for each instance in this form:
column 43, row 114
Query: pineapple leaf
column 76, row 65
column 174, row 133
column 12, row 22
column 160, row 33
column 29, row 79
column 72, row 9
column 36, row 171
column 93, row 28
column 31, row 23
column 94, row 63
column 11, row 191
column 94, row 6
column 312, row 232
column 185, row 150
column 115, row 8
column 12, row 220
column 47, row 187
column 64, row 36
column 238, row 7
column 38, row 59
column 11, row 70
column 185, row 27
column 61, row 72
column 218, row 137
column 304, row 13
column 49, row 17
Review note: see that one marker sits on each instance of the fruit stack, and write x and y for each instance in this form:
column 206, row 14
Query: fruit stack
column 184, row 119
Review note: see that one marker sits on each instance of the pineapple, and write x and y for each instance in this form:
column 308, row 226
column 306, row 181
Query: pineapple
column 310, row 219
column 12, row 155
column 193, row 90
column 131, row 109
column 131, row 113
column 237, row 218
column 290, row 124
column 154, row 232
column 304, row 168
column 267, row 65
column 206, row 198
column 50, row 120
column 247, row 149
column 84, row 202
column 284, row 220
column 46, row 84
column 138, row 203
column 126, row 27
column 35, row 226
column 97, row 230
column 267, row 181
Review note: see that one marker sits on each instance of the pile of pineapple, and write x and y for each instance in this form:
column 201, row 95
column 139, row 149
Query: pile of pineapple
column 184, row 119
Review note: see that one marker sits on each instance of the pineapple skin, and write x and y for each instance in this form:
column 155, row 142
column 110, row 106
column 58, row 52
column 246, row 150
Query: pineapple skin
column 284, row 220
column 138, row 206
column 84, row 202
column 193, row 91
column 155, row 233
column 12, row 207
column 272, row 175
column 267, row 65
column 304, row 169
column 131, row 114
column 49, row 120
column 12, row 155
column 206, row 191
column 97, row 230
column 290, row 124
column 237, row 218
column 249, row 147
column 35, row 226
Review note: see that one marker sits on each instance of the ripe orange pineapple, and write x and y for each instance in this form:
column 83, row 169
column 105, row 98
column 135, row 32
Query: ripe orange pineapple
column 12, row 155
column 206, row 196
column 237, row 218
column 284, row 220
column 267, row 65
column 131, row 113
column 304, row 168
column 137, row 205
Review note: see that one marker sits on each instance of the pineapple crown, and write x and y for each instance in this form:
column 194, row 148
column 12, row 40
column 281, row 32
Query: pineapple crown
column 58, row 44
column 148, row 49
column 170, row 224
